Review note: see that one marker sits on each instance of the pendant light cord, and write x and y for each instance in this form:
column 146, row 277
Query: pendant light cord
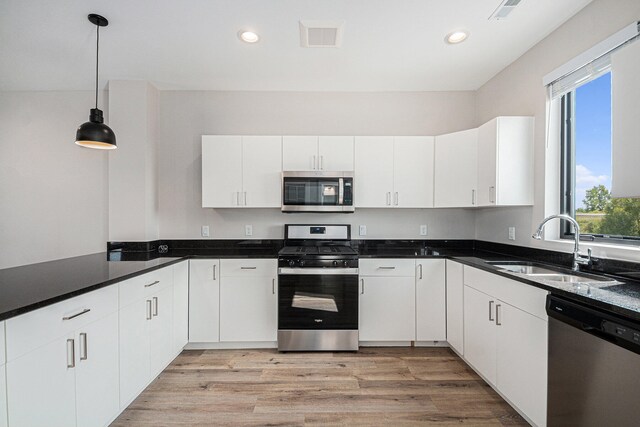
column 97, row 51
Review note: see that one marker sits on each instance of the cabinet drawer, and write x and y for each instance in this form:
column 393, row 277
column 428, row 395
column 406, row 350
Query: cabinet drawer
column 144, row 285
column 395, row 267
column 520, row 295
column 37, row 328
column 248, row 268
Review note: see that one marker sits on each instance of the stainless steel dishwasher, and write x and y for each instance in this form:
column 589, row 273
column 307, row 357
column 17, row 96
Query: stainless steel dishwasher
column 594, row 367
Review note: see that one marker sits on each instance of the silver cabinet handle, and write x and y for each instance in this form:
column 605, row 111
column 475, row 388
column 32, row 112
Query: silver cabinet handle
column 151, row 284
column 214, row 271
column 83, row 346
column 73, row 316
column 245, row 198
column 387, row 268
column 155, row 306
column 362, row 282
column 473, row 197
column 313, row 164
column 238, row 198
column 148, row 309
column 498, row 314
column 492, row 194
column 490, row 311
column 388, row 198
column 420, row 265
column 248, row 268
column 321, row 159
column 273, row 286
column 396, row 199
column 71, row 353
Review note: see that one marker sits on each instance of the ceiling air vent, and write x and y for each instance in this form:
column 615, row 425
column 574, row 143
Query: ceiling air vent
column 321, row 33
column 504, row 9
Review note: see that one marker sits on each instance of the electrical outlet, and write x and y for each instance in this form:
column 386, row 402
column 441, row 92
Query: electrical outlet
column 423, row 230
column 205, row 231
column 248, row 230
column 363, row 230
column 512, row 233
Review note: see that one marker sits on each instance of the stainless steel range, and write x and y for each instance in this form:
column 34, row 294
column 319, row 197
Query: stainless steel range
column 317, row 289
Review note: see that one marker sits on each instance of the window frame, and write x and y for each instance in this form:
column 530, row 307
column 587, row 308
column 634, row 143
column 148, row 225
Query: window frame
column 567, row 178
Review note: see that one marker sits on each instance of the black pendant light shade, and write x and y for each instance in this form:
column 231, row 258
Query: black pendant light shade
column 94, row 133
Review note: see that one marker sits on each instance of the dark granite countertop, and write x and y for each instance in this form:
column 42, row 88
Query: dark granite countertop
column 29, row 287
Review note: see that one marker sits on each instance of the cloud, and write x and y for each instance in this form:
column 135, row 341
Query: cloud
column 586, row 180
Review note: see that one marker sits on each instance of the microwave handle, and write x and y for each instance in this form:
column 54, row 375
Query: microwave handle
column 340, row 191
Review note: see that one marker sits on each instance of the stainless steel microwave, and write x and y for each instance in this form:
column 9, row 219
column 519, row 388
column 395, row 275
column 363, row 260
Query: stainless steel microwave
column 317, row 192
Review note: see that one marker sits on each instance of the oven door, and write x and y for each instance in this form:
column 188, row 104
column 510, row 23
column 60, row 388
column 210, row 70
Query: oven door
column 318, row 298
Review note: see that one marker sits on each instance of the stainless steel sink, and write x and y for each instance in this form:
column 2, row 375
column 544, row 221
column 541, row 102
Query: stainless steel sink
column 543, row 273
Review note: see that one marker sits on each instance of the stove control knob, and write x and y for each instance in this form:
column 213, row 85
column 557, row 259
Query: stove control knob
column 346, row 264
column 335, row 263
column 292, row 263
column 301, row 263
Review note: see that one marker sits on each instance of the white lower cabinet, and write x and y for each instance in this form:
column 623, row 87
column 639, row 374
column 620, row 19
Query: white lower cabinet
column 455, row 306
column 204, row 300
column 505, row 339
column 248, row 300
column 71, row 378
column 431, row 316
column 3, row 397
column 146, row 345
column 180, row 306
column 387, row 300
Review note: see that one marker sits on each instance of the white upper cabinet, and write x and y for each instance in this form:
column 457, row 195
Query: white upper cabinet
column 300, row 153
column 456, row 169
column 335, row 153
column 312, row 153
column 393, row 172
column 505, row 162
column 241, row 171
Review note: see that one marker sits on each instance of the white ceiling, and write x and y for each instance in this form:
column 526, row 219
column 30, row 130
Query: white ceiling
column 388, row 45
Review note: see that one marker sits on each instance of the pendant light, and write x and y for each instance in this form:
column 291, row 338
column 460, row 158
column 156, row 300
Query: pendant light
column 94, row 133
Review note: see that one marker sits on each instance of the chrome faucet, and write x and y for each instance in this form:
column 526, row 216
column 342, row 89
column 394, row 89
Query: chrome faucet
column 578, row 259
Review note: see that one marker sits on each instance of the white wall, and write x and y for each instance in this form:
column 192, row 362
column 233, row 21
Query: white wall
column 53, row 193
column 186, row 115
column 518, row 90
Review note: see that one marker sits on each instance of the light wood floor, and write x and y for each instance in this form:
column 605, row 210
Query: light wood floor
column 376, row 386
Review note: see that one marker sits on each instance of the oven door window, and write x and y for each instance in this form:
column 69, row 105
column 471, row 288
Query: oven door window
column 318, row 302
column 311, row 191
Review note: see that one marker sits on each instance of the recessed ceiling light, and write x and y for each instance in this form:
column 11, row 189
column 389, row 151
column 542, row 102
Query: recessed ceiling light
column 248, row 36
column 456, row 37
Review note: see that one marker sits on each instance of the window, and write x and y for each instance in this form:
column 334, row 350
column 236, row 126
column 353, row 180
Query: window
column 586, row 166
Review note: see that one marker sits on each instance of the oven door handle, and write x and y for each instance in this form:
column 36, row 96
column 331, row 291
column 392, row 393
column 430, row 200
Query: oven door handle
column 318, row 271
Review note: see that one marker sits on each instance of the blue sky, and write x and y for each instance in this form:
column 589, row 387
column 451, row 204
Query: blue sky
column 593, row 135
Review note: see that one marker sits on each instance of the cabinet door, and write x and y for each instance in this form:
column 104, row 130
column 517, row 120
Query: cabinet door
column 221, row 171
column 160, row 343
column 487, row 178
column 514, row 146
column 261, row 171
column 3, row 397
column 522, row 361
column 299, row 153
column 480, row 332
column 387, row 309
column 41, row 386
column 96, row 372
column 134, row 349
column 336, row 153
column 456, row 169
column 204, row 300
column 248, row 309
column 413, row 172
column 180, row 306
column 431, row 314
column 373, row 171
column 455, row 306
